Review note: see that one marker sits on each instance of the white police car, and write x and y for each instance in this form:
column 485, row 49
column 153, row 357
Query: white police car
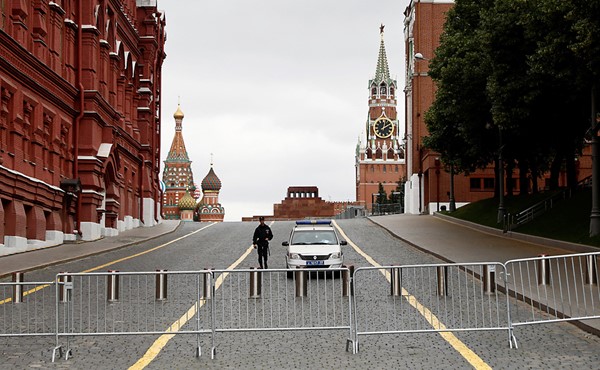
column 314, row 243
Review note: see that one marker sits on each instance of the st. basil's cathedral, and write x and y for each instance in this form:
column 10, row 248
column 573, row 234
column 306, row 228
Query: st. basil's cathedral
column 180, row 192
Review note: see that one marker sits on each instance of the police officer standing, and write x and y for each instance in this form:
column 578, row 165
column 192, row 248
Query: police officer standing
column 261, row 238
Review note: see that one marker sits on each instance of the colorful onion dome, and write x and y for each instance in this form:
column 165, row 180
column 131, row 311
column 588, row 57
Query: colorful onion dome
column 187, row 202
column 211, row 182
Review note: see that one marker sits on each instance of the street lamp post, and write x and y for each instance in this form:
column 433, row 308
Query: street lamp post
column 437, row 180
column 452, row 201
column 595, row 214
column 501, row 209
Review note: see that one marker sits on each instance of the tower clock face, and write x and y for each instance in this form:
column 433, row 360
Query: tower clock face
column 383, row 128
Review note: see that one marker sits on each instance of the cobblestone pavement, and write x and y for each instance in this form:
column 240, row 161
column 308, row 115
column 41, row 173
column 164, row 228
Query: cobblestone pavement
column 560, row 345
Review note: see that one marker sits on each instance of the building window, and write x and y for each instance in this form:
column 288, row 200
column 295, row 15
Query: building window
column 488, row 183
column 475, row 183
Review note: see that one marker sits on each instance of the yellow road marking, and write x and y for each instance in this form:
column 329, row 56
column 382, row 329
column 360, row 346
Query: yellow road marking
column 147, row 251
column 30, row 291
column 459, row 346
column 33, row 290
column 162, row 341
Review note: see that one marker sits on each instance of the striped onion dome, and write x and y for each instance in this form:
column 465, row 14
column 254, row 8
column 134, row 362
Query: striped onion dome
column 187, row 202
column 211, row 182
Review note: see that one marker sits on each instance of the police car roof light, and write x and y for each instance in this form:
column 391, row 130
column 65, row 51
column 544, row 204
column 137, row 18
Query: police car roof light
column 313, row 222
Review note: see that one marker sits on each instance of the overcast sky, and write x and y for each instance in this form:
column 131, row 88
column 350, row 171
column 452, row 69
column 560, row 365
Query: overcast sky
column 276, row 90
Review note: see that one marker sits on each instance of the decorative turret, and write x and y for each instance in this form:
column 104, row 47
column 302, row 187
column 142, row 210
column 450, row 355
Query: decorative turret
column 209, row 208
column 178, row 151
column 382, row 85
column 177, row 173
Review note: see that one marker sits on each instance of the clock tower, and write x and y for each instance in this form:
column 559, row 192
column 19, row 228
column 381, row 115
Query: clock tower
column 379, row 154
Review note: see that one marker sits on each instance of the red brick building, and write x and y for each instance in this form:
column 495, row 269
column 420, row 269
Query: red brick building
column 79, row 119
column 304, row 202
column 428, row 185
column 380, row 158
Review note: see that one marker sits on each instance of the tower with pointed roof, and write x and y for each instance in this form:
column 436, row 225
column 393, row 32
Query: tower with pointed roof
column 379, row 153
column 209, row 209
column 177, row 175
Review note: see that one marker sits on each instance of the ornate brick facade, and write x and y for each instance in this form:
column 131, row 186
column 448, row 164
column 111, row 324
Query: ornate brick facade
column 79, row 119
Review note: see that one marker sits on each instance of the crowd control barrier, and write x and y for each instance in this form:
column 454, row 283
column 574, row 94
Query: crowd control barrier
column 430, row 298
column 366, row 301
column 26, row 308
column 267, row 300
column 556, row 288
column 130, row 303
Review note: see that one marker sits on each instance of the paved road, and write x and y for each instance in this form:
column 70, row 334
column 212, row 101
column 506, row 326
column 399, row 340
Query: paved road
column 220, row 245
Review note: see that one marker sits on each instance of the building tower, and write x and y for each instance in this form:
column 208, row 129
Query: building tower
column 380, row 159
column 209, row 209
column 177, row 174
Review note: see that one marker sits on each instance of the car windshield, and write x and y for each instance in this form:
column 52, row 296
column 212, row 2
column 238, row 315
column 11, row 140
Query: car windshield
column 325, row 237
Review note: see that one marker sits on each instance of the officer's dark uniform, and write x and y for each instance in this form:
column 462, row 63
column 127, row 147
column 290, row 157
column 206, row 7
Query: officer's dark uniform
column 261, row 238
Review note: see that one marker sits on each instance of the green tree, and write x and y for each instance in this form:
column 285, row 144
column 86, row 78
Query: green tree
column 381, row 195
column 459, row 119
column 514, row 76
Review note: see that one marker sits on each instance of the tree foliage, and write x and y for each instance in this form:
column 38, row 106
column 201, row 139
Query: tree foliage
column 515, row 76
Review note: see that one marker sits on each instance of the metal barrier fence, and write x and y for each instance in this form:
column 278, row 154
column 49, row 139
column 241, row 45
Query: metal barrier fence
column 557, row 288
column 430, row 298
column 282, row 300
column 26, row 308
column 426, row 298
column 130, row 303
